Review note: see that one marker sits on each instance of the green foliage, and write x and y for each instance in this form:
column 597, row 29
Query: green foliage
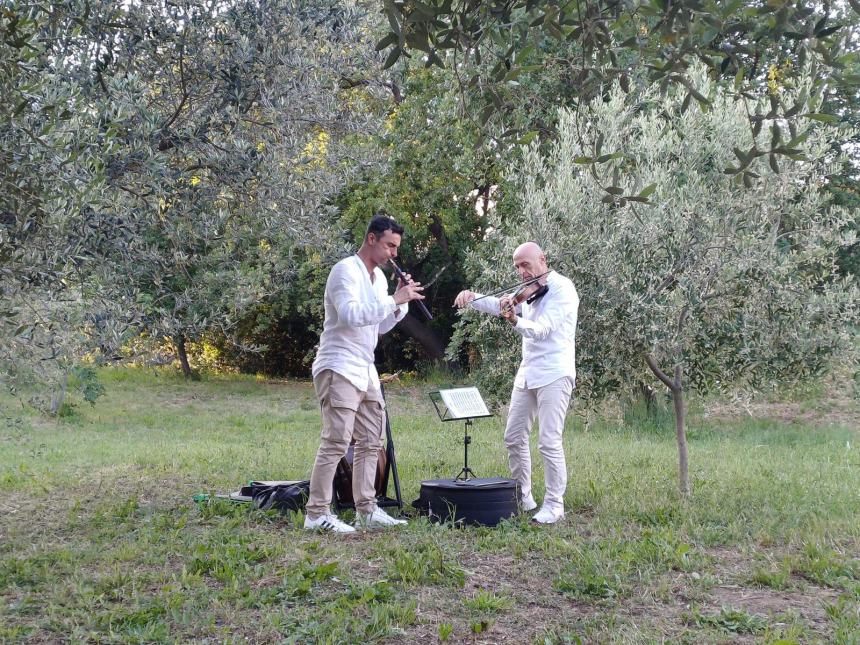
column 435, row 183
column 236, row 175
column 233, row 561
column 88, row 383
column 480, row 626
column 609, row 568
column 145, row 563
column 824, row 565
column 445, row 631
column 489, row 602
column 559, row 637
column 426, row 563
column 845, row 617
column 167, row 163
column 496, row 45
column 737, row 621
column 592, row 581
column 50, row 176
column 778, row 577
column 736, row 285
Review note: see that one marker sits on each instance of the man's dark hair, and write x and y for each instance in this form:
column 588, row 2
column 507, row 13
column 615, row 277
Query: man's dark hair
column 381, row 223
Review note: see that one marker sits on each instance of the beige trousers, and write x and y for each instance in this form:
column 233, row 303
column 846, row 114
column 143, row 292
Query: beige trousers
column 346, row 412
column 549, row 405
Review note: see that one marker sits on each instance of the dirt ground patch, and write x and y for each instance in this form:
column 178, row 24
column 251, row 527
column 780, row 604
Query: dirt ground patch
column 810, row 604
column 836, row 411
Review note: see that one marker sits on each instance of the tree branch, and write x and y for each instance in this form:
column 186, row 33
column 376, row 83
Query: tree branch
column 184, row 98
column 660, row 374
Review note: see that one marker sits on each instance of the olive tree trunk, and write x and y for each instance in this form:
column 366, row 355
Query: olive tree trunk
column 675, row 386
column 182, row 355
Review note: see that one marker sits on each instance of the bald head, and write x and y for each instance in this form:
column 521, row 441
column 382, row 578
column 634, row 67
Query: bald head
column 529, row 260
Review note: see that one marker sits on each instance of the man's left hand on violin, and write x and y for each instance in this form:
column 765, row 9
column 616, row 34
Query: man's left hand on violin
column 507, row 310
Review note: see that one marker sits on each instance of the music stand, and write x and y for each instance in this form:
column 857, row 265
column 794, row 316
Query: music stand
column 461, row 404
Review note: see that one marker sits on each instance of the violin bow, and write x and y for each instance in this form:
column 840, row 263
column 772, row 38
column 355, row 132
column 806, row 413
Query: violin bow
column 515, row 286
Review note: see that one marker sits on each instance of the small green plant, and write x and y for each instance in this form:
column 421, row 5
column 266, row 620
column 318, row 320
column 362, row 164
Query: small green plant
column 231, row 561
column 648, row 413
column 127, row 509
column 445, row 630
column 844, row 615
column 213, row 507
column 377, row 592
column 384, row 617
column 426, row 563
column 86, row 380
column 488, row 602
column 787, row 628
column 595, row 570
column 737, row 621
column 661, row 550
column 661, row 516
column 826, row 566
column 586, row 500
column 589, row 584
column 555, row 637
column 778, row 578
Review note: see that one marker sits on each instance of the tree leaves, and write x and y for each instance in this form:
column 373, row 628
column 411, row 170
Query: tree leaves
column 393, row 57
column 620, row 41
column 155, row 185
column 696, row 279
column 823, row 118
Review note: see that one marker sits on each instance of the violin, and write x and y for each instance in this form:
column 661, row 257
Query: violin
column 523, row 293
column 520, row 288
column 402, row 277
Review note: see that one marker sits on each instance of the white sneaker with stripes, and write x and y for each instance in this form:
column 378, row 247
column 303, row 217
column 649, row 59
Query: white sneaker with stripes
column 547, row 515
column 377, row 519
column 328, row 523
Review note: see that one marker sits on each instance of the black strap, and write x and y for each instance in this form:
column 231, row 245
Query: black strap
column 538, row 294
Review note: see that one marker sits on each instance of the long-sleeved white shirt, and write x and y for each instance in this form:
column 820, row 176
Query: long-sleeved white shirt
column 358, row 310
column 548, row 328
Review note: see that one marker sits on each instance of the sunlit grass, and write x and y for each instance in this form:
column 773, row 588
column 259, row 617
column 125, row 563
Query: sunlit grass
column 99, row 537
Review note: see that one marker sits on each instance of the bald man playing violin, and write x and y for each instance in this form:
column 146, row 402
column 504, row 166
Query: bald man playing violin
column 546, row 320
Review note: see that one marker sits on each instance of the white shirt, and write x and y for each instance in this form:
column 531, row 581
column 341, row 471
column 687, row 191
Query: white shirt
column 357, row 311
column 548, row 328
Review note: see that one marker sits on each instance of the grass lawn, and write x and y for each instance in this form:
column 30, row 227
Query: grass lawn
column 100, row 540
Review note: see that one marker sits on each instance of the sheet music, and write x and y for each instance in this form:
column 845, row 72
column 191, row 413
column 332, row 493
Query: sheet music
column 464, row 403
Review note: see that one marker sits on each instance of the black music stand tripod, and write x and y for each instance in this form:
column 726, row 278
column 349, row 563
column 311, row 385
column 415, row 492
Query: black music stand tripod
column 461, row 404
column 466, row 473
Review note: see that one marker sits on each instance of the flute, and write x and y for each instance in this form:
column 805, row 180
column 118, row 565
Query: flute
column 402, row 277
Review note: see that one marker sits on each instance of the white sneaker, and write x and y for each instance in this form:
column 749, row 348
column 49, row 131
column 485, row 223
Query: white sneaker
column 528, row 503
column 377, row 518
column 548, row 515
column 329, row 523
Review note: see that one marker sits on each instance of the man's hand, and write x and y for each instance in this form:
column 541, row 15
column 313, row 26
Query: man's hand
column 408, row 291
column 507, row 310
column 464, row 298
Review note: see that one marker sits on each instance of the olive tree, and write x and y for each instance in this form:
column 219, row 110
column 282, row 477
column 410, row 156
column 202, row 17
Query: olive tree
column 161, row 161
column 237, row 128
column 681, row 269
column 496, row 44
column 49, row 175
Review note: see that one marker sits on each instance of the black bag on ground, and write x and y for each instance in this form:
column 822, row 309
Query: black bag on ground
column 342, row 484
column 282, row 497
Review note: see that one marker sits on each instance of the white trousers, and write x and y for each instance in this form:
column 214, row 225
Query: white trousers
column 549, row 405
